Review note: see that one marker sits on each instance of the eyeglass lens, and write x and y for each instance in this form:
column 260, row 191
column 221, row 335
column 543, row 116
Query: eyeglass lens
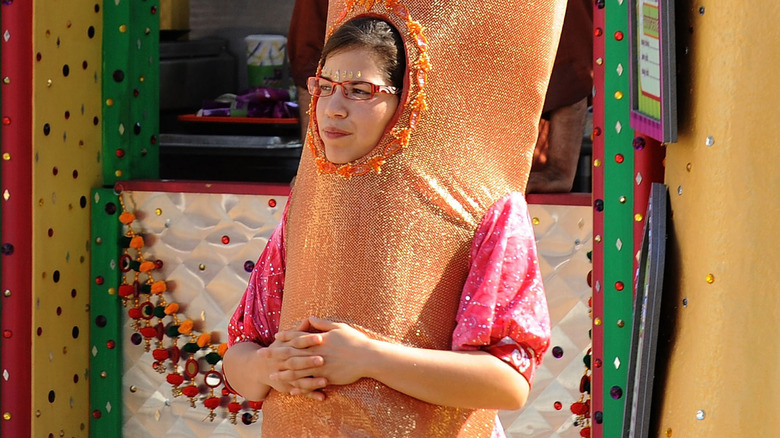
column 356, row 90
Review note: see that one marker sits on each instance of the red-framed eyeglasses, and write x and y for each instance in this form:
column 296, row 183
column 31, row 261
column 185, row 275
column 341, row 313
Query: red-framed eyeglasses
column 354, row 90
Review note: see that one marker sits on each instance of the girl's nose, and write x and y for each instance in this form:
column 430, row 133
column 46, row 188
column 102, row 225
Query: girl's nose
column 336, row 104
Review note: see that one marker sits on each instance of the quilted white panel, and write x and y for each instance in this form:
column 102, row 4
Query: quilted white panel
column 207, row 277
column 563, row 238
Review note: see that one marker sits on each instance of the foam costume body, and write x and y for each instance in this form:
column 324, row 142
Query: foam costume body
column 383, row 243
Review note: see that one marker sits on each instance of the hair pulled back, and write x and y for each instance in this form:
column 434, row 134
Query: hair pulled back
column 376, row 35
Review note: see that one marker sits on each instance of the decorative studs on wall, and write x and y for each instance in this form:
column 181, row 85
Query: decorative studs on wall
column 130, row 91
column 47, row 132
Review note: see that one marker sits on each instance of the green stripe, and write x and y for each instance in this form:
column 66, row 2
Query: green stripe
column 105, row 389
column 131, row 48
column 618, row 218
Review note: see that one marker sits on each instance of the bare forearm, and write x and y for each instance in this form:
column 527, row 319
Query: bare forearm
column 240, row 370
column 460, row 379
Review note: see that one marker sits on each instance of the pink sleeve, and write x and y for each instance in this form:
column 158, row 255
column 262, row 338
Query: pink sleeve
column 503, row 309
column 257, row 317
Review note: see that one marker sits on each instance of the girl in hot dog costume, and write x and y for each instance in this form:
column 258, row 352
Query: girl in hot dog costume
column 401, row 294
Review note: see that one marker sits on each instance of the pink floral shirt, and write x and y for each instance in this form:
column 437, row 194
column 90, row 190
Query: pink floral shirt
column 503, row 309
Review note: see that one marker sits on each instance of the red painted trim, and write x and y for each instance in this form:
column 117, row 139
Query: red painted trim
column 574, row 199
column 16, row 228
column 176, row 186
column 649, row 163
column 597, row 376
column 280, row 189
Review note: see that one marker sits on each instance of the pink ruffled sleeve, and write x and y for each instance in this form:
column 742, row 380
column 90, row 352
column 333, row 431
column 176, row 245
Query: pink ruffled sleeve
column 503, row 309
column 257, row 317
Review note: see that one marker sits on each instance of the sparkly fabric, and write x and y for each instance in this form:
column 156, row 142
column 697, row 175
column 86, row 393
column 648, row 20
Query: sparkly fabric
column 503, row 309
column 383, row 243
column 257, row 317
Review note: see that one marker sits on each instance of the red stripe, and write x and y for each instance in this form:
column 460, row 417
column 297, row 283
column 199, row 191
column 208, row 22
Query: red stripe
column 265, row 189
column 597, row 376
column 16, row 228
column 649, row 163
column 574, row 199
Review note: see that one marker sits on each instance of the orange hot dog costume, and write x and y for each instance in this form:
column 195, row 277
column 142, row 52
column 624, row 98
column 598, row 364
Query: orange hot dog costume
column 382, row 243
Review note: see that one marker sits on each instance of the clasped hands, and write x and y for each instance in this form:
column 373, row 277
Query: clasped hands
column 314, row 355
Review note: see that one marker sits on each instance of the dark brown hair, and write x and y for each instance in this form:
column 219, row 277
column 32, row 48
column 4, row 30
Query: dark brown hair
column 376, row 35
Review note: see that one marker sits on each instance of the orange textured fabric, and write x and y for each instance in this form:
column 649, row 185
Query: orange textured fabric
column 382, row 243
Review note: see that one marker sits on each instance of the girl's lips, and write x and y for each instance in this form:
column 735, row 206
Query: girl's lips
column 333, row 133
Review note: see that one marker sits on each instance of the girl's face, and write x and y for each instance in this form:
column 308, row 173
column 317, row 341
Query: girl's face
column 350, row 129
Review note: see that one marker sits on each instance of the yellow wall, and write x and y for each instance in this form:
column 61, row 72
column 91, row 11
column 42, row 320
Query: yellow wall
column 720, row 354
column 66, row 165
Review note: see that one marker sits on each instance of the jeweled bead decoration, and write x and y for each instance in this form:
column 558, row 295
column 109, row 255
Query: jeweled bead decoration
column 7, row 249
